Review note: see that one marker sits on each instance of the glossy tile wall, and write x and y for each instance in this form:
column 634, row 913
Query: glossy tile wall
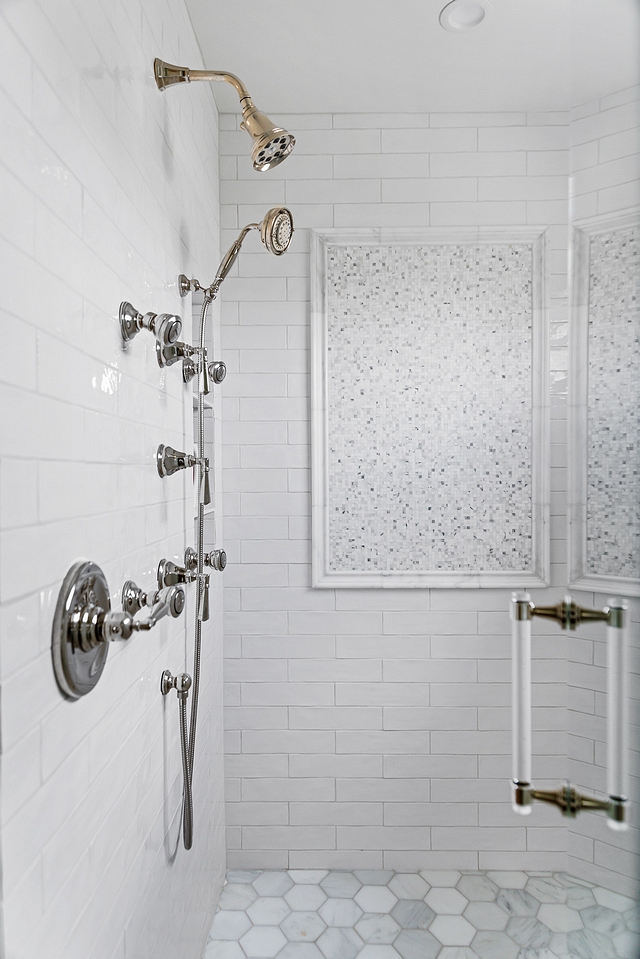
column 108, row 190
column 604, row 183
column 370, row 729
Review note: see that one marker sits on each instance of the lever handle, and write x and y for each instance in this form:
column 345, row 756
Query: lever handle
column 167, row 602
column 170, row 575
column 205, row 487
column 205, row 599
column 169, row 353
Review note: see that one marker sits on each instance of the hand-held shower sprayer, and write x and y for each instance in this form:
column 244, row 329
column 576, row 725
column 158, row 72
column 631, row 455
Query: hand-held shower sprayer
column 276, row 231
column 271, row 145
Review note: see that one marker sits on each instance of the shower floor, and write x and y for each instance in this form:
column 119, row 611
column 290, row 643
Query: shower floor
column 377, row 914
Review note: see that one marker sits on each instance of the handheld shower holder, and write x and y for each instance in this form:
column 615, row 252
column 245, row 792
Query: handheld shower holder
column 180, row 682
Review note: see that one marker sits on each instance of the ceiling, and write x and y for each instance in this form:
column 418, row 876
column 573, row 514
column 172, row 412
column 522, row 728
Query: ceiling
column 336, row 56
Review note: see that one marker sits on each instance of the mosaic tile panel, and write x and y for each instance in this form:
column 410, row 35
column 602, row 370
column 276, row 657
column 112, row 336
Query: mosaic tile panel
column 430, row 411
column 373, row 914
column 613, row 486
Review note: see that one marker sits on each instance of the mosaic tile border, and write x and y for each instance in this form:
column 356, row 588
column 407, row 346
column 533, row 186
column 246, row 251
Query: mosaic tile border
column 531, row 571
column 591, row 563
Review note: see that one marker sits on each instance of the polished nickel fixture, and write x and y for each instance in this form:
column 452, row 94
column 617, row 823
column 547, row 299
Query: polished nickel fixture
column 84, row 624
column 166, row 327
column 569, row 615
column 271, row 145
column 276, row 231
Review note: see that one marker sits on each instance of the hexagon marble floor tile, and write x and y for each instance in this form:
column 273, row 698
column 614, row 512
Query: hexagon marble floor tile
column 321, row 914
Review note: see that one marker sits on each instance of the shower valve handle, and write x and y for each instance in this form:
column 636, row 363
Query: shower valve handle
column 166, row 327
column 171, row 575
column 169, row 461
column 170, row 353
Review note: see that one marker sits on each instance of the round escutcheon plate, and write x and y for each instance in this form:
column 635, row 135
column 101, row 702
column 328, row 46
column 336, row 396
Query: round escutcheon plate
column 77, row 672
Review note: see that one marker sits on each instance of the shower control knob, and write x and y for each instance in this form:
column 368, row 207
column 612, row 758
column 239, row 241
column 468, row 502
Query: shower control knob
column 217, row 371
column 190, row 559
column 166, row 327
column 216, row 559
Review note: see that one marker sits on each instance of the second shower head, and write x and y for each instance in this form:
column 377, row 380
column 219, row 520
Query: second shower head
column 276, row 230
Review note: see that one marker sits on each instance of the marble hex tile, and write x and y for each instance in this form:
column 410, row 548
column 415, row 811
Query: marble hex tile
column 510, row 915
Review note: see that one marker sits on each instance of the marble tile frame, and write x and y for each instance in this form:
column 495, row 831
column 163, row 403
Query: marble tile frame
column 579, row 576
column 538, row 575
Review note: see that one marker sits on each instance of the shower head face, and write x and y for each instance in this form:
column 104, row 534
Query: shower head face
column 271, row 148
column 276, row 230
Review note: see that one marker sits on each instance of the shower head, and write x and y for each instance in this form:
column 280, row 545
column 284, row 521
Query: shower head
column 276, row 230
column 271, row 145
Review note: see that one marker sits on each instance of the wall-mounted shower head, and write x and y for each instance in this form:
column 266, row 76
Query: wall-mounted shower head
column 272, row 144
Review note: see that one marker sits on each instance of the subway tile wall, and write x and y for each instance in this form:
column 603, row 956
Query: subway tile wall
column 109, row 189
column 368, row 729
column 604, row 181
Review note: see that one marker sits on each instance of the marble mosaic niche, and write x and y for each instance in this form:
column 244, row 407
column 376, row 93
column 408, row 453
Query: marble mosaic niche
column 433, row 914
column 613, row 474
column 429, row 369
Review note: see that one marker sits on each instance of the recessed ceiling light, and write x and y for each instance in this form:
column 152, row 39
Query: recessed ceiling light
column 464, row 14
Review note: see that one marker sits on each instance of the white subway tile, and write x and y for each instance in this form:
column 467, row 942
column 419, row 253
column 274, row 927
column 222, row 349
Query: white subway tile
column 478, row 164
column 382, row 694
column 335, row 717
column 523, row 138
column 377, row 165
column 618, row 145
column 429, row 141
column 336, row 670
column 477, row 119
column 478, row 214
column 384, row 837
column 381, row 214
column 430, row 622
column 350, row 766
column 426, row 190
column 522, row 188
column 338, row 814
column 334, row 191
column 389, row 121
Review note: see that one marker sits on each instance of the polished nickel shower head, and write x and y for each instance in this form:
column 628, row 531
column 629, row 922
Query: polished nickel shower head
column 276, row 230
column 271, row 145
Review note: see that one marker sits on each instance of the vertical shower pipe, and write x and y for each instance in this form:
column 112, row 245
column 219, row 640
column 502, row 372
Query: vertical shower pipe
column 617, row 705
column 521, row 695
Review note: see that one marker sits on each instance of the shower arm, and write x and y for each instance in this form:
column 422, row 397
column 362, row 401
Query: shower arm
column 169, row 74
